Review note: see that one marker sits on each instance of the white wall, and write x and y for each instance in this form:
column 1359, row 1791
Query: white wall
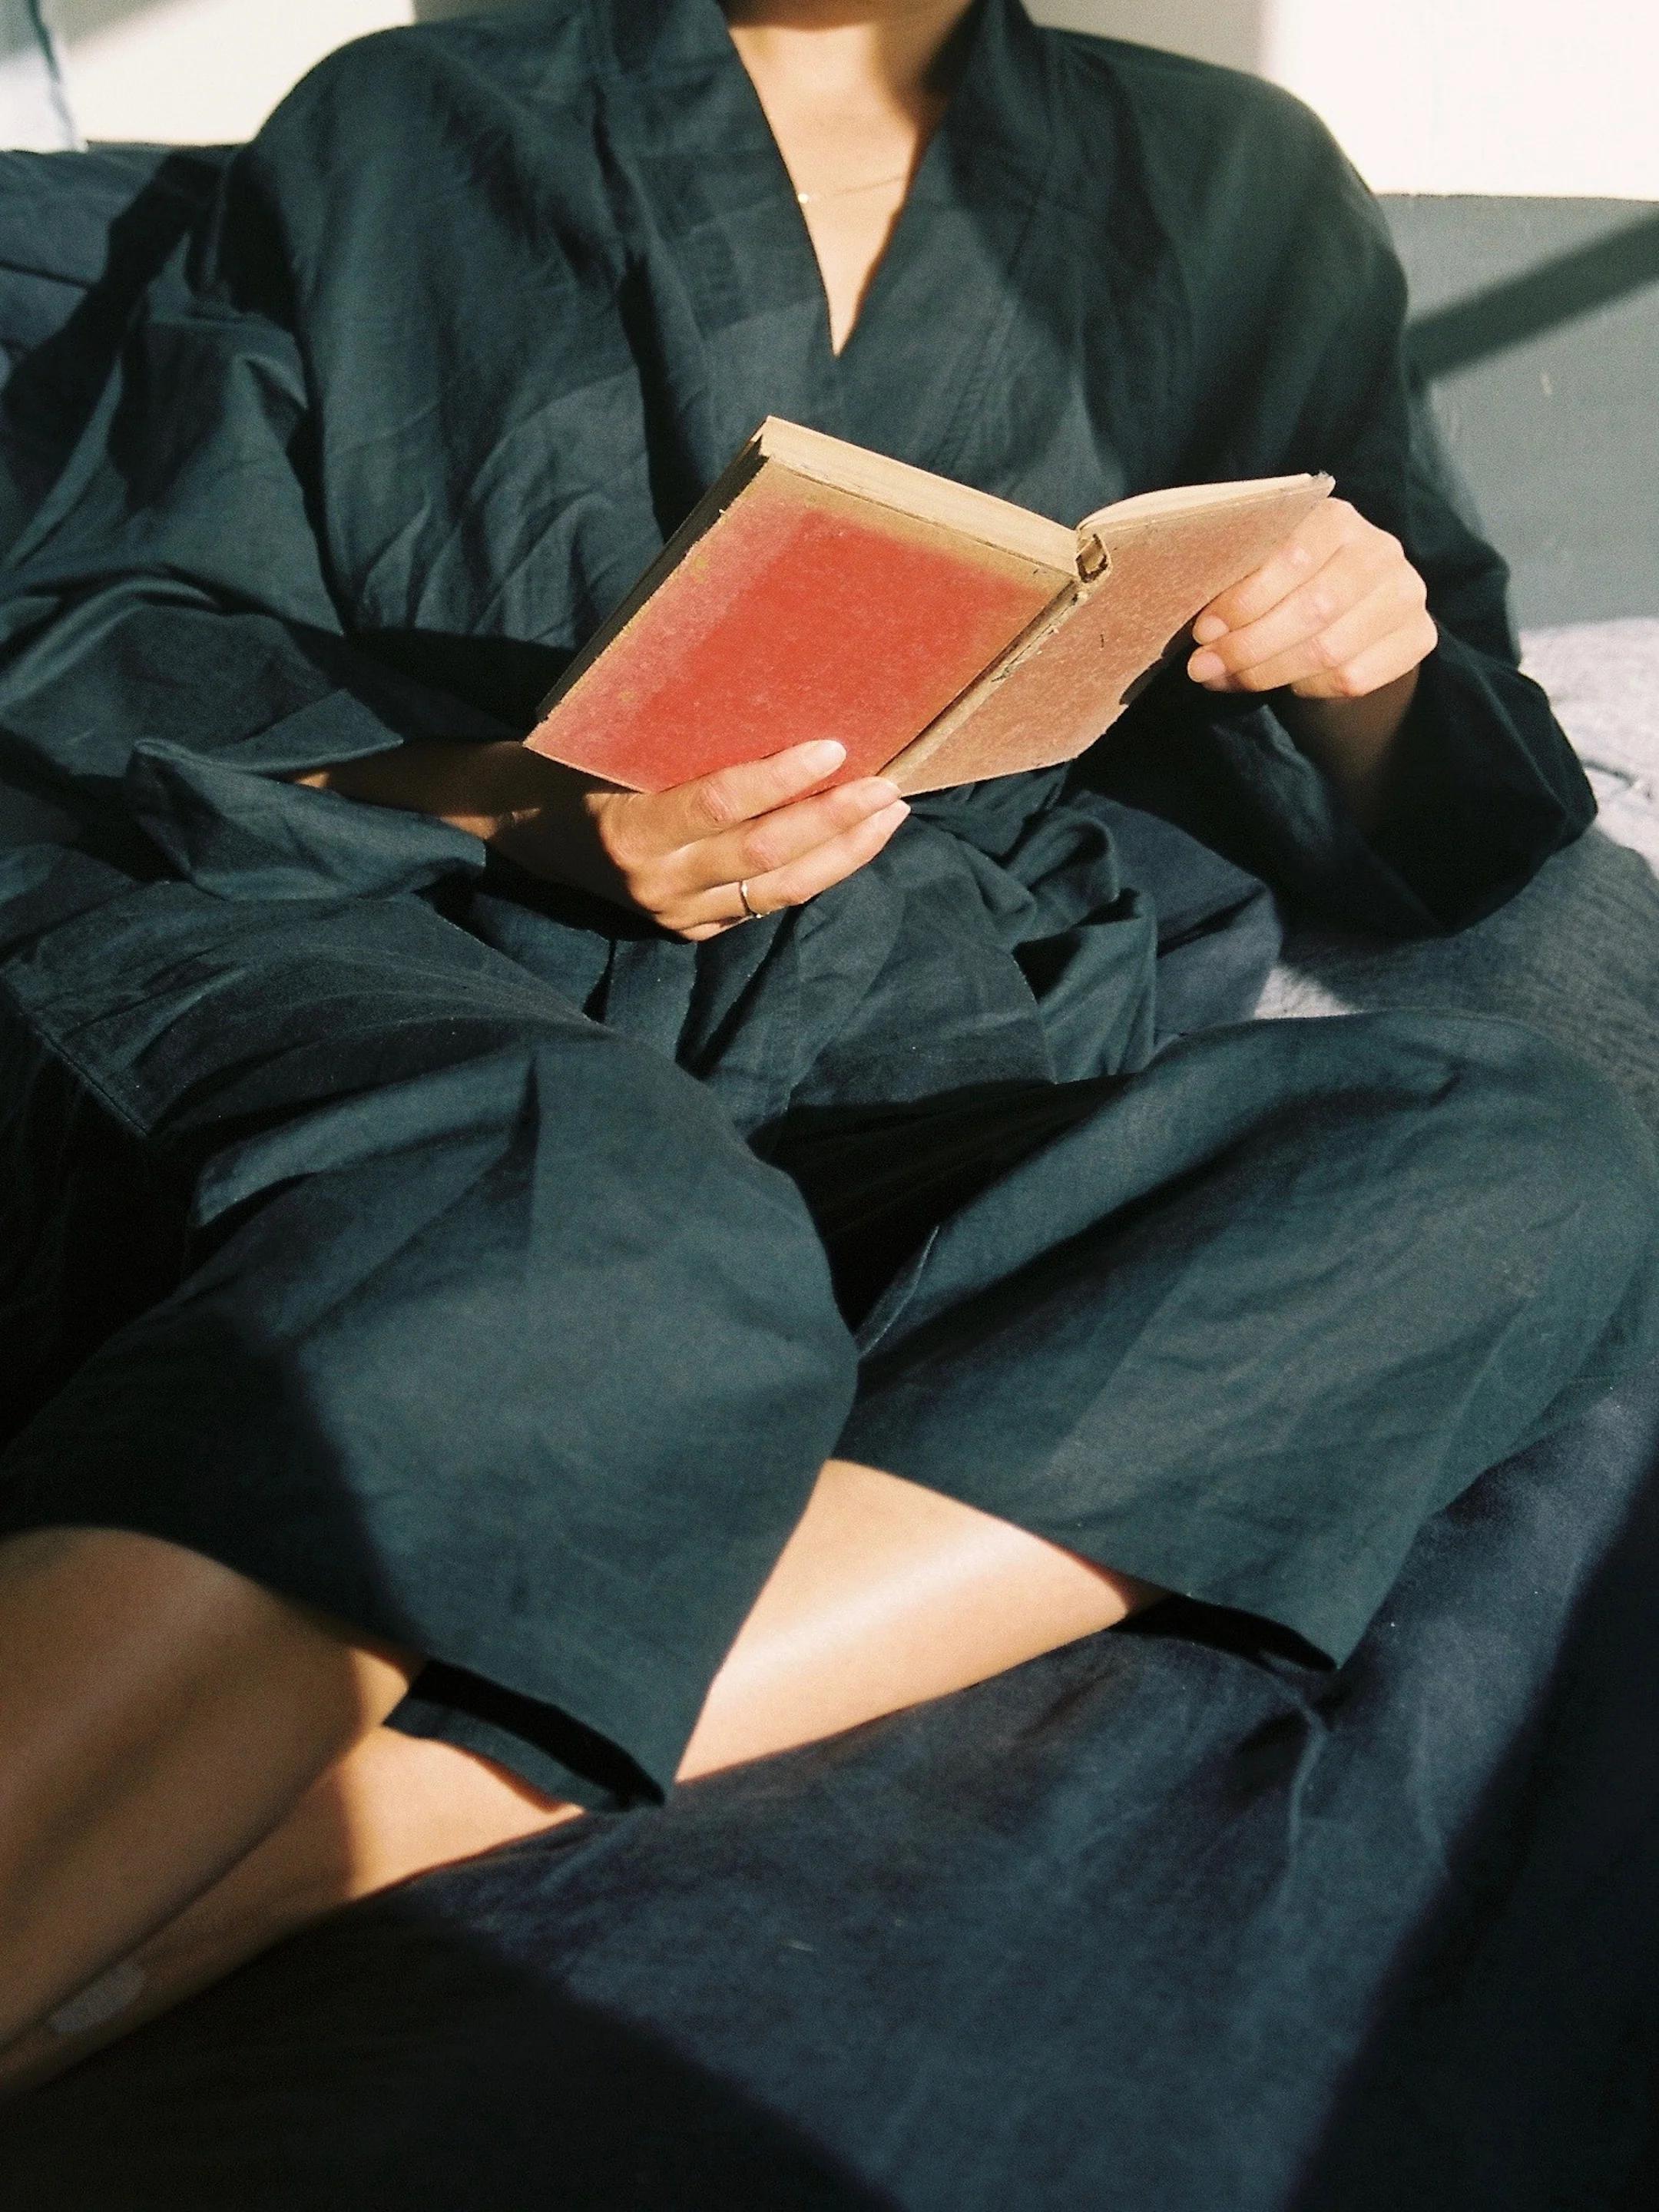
column 198, row 70
column 1487, row 95
column 1427, row 95
column 1441, row 95
column 33, row 114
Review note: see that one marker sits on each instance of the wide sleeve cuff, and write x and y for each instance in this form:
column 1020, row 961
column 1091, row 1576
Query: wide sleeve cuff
column 1485, row 788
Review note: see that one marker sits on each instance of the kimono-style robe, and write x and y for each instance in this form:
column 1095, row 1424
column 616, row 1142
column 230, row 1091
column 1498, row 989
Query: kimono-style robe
column 464, row 1255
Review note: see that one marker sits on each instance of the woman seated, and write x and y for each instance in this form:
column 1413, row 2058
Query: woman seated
column 496, row 1329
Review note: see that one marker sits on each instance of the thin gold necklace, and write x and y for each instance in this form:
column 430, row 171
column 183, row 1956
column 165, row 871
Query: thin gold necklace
column 840, row 191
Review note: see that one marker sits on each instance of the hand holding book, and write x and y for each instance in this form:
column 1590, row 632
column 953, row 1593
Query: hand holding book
column 1336, row 618
column 729, row 846
column 696, row 859
column 1336, row 611
column 940, row 634
column 830, row 629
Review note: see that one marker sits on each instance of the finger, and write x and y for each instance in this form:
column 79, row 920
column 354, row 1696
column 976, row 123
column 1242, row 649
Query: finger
column 1331, row 524
column 1325, row 666
column 1383, row 664
column 688, row 813
column 788, row 833
column 1347, row 580
column 831, row 862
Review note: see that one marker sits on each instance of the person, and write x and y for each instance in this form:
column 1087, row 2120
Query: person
column 496, row 1330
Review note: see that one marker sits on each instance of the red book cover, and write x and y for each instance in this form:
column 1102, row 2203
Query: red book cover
column 803, row 610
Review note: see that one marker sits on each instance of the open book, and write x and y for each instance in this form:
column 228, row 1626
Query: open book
column 822, row 590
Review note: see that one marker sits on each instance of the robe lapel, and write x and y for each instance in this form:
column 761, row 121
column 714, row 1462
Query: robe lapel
column 731, row 321
column 940, row 309
column 737, row 312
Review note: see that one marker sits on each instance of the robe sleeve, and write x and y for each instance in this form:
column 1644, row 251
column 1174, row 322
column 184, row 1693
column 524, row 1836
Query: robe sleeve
column 1488, row 785
column 171, row 644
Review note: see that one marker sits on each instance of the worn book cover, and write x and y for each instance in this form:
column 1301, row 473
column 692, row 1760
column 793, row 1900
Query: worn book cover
column 941, row 635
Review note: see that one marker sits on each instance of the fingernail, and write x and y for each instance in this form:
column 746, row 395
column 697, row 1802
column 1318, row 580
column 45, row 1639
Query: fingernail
column 880, row 792
column 1208, row 628
column 895, row 813
column 1203, row 666
column 824, row 753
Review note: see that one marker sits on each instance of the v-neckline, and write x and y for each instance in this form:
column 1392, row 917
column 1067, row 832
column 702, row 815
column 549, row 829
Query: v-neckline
column 903, row 222
column 918, row 365
column 727, row 205
column 970, row 30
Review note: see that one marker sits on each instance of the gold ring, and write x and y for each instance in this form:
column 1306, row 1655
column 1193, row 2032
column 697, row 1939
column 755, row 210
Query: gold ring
column 750, row 912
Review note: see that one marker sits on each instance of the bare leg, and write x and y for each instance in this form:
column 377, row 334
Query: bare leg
column 886, row 1595
column 159, row 1714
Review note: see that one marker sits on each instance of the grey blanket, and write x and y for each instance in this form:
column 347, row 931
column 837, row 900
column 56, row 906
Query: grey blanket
column 1576, row 955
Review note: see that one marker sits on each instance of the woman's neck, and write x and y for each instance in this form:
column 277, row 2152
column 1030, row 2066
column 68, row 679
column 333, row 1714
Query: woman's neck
column 854, row 90
column 867, row 69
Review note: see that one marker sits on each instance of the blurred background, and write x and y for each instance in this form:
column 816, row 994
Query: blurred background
column 1491, row 96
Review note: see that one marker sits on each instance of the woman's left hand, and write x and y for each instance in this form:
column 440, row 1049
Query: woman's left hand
column 1337, row 613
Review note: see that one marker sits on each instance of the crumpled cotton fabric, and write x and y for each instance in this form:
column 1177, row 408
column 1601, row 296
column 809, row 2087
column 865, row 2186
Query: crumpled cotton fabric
column 496, row 1271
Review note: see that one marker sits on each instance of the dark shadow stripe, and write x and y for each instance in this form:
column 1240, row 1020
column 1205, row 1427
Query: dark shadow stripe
column 1525, row 307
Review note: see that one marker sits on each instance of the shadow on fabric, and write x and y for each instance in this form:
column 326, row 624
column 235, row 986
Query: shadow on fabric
column 474, row 2085
column 1485, row 2081
column 129, row 209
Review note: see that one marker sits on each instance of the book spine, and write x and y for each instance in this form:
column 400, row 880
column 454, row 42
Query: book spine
column 1072, row 676
column 910, row 769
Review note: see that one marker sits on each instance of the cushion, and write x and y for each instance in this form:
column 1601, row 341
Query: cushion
column 1576, row 955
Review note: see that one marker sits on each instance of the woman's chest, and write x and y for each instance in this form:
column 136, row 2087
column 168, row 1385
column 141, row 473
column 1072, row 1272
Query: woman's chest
column 850, row 234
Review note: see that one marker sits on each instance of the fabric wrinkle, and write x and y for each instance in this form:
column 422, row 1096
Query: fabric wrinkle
column 642, row 1193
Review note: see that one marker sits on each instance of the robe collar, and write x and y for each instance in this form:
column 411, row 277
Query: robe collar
column 926, row 340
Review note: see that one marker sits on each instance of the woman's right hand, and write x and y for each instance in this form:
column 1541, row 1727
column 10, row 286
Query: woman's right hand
column 677, row 855
column 680, row 856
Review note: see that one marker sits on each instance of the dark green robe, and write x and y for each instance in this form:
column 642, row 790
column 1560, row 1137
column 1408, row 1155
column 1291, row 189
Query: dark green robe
column 496, row 1271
